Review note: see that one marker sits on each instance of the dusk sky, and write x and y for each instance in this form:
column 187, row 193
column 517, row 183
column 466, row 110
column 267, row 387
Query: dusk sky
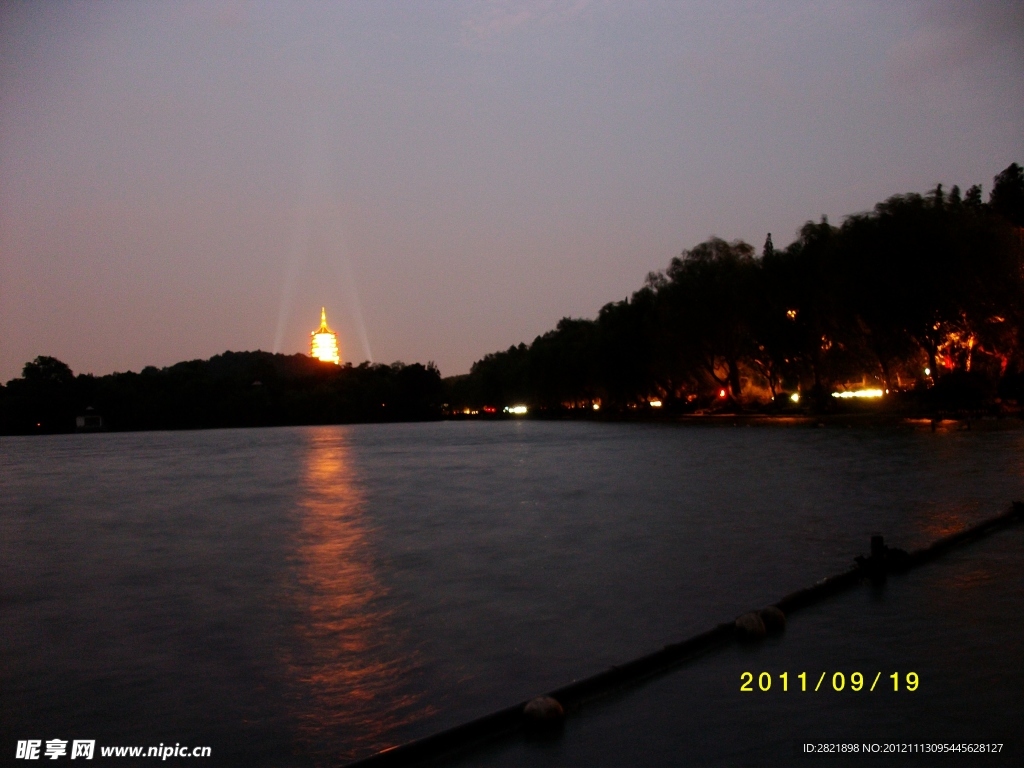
column 179, row 179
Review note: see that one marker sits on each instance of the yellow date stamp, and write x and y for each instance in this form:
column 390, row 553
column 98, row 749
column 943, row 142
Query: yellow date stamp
column 753, row 682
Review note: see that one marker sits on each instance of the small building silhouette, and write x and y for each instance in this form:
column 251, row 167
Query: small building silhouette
column 90, row 421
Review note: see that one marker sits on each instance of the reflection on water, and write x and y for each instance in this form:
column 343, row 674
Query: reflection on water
column 945, row 522
column 972, row 578
column 344, row 665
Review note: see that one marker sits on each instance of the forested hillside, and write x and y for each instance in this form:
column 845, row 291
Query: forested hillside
column 922, row 297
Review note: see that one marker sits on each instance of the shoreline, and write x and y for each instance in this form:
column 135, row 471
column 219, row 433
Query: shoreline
column 986, row 423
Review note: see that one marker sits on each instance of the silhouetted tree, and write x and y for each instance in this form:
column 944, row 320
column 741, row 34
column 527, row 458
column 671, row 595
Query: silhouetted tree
column 709, row 296
column 973, row 197
column 47, row 371
column 1007, row 198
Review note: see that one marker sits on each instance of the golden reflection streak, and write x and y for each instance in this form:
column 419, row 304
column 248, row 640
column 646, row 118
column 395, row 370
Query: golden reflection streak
column 942, row 523
column 346, row 664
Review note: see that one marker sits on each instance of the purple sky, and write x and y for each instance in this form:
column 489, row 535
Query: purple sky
column 178, row 179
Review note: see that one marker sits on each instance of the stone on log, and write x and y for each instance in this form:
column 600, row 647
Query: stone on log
column 750, row 627
column 543, row 714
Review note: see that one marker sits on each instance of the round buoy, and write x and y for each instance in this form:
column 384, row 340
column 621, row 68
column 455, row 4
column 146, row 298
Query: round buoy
column 750, row 627
column 773, row 618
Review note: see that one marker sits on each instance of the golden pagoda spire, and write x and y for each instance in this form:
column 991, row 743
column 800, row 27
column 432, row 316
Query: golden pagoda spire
column 323, row 343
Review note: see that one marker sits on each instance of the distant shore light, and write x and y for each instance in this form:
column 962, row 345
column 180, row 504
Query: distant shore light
column 795, row 397
column 596, row 406
column 859, row 393
column 517, row 410
column 655, row 403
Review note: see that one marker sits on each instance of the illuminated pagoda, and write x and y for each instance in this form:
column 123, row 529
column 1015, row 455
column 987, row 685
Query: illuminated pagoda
column 323, row 344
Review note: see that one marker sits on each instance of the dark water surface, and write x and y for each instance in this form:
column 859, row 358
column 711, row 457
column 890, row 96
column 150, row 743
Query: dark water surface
column 310, row 595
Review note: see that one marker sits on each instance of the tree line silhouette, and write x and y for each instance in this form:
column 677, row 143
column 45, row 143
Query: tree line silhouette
column 920, row 297
column 235, row 389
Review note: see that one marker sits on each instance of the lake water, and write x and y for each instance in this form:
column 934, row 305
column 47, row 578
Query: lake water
column 306, row 596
